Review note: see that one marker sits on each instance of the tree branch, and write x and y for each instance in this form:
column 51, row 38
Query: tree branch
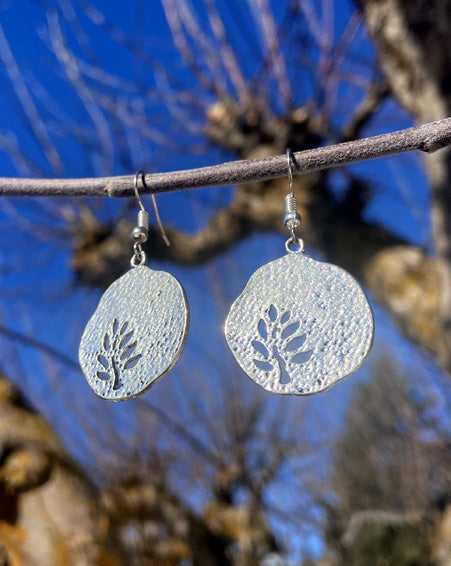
column 365, row 111
column 428, row 138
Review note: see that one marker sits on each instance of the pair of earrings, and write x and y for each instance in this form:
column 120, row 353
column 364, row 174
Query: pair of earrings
column 299, row 326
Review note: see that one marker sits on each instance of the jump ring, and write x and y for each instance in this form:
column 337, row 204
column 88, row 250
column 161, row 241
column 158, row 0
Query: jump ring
column 138, row 260
column 295, row 241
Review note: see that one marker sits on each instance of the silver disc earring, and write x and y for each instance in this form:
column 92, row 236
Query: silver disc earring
column 139, row 328
column 300, row 325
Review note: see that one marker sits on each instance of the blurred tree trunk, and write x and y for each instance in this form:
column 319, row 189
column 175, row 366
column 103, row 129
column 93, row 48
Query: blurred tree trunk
column 51, row 514
column 48, row 511
column 413, row 41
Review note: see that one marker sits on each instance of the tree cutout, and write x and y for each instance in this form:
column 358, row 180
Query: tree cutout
column 117, row 353
column 279, row 343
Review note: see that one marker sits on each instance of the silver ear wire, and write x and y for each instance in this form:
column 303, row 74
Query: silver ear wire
column 140, row 232
column 290, row 172
column 143, row 215
column 292, row 218
column 135, row 184
column 160, row 224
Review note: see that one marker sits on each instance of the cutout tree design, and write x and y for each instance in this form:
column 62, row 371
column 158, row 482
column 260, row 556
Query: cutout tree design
column 117, row 353
column 279, row 345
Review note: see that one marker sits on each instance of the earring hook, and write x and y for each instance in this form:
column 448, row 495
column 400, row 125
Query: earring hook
column 154, row 202
column 290, row 172
column 135, row 184
column 292, row 218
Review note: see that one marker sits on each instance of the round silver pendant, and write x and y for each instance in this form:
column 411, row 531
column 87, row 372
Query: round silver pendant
column 300, row 326
column 136, row 334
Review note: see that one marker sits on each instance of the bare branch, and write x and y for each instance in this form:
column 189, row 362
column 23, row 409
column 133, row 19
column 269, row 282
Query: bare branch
column 375, row 95
column 74, row 76
column 428, row 138
column 181, row 41
column 265, row 19
column 37, row 125
column 227, row 54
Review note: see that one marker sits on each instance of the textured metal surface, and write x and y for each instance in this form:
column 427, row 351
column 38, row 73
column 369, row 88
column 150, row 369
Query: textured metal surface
column 300, row 326
column 136, row 334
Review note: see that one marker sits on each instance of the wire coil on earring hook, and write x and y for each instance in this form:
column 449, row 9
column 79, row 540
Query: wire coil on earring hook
column 143, row 215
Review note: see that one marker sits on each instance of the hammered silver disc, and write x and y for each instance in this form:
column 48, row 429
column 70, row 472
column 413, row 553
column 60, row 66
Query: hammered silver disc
column 300, row 326
column 136, row 334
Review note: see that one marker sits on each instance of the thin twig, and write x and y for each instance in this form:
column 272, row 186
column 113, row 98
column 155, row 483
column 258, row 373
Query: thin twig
column 375, row 95
column 428, row 138
column 34, row 120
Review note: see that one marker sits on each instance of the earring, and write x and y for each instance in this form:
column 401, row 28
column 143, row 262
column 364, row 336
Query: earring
column 300, row 325
column 139, row 328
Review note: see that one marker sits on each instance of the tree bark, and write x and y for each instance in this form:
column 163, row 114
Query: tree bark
column 48, row 511
column 414, row 48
